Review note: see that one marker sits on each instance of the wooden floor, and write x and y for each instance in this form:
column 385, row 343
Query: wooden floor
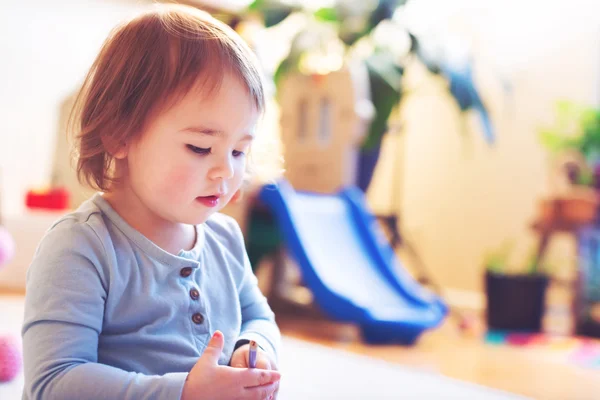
column 451, row 353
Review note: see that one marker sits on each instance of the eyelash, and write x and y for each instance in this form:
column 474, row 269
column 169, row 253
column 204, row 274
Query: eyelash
column 203, row 151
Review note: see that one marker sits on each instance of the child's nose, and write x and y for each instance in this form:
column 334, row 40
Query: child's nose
column 223, row 169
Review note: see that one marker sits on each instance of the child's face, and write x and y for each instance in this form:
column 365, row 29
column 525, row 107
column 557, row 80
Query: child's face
column 190, row 160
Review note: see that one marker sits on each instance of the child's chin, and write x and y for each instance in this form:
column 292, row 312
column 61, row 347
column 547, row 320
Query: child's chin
column 200, row 218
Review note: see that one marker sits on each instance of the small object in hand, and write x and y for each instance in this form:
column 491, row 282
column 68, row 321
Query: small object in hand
column 252, row 354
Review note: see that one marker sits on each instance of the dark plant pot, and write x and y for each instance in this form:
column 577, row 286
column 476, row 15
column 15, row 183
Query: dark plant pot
column 515, row 302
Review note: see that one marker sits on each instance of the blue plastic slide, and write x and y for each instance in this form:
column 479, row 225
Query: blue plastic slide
column 348, row 265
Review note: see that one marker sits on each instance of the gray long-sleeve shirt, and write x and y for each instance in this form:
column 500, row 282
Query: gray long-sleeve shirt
column 110, row 315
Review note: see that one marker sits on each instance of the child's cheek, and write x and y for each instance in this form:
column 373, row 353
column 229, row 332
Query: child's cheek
column 178, row 180
column 240, row 172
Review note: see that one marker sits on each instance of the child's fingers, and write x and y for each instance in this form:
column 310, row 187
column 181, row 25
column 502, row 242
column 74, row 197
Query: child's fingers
column 239, row 360
column 263, row 392
column 214, row 348
column 257, row 377
column 263, row 362
column 273, row 364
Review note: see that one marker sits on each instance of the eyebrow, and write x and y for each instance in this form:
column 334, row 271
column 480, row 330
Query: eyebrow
column 212, row 132
column 204, row 131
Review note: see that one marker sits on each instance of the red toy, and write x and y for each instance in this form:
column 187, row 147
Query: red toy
column 56, row 198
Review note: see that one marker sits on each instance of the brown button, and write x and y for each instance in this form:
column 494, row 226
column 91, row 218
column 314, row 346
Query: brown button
column 185, row 272
column 198, row 318
column 194, row 294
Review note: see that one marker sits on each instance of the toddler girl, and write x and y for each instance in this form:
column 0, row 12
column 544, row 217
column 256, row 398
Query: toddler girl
column 145, row 291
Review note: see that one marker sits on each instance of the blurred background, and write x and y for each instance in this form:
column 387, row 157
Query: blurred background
column 436, row 165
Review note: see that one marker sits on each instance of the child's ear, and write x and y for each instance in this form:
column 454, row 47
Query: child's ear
column 117, row 149
column 121, row 152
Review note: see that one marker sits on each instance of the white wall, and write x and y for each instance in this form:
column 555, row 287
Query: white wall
column 45, row 50
column 459, row 196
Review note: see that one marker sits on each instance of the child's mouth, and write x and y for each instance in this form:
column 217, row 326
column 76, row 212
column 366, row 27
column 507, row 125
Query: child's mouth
column 209, row 201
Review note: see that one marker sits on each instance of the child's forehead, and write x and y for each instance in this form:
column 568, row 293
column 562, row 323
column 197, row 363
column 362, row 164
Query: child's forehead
column 217, row 112
column 212, row 93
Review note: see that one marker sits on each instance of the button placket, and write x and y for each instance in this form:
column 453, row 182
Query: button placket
column 196, row 308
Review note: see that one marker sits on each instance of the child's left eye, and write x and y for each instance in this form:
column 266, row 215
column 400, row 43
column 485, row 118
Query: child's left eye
column 198, row 150
column 205, row 151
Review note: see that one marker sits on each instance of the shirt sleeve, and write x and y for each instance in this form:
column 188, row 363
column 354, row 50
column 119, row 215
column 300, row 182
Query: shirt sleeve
column 258, row 320
column 64, row 310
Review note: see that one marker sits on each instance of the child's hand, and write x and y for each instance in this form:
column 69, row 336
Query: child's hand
column 208, row 380
column 240, row 358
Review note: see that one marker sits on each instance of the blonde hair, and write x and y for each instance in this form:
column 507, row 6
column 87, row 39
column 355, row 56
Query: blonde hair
column 146, row 64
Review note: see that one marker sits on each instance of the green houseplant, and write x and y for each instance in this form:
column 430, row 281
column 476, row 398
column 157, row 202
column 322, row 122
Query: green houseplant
column 576, row 130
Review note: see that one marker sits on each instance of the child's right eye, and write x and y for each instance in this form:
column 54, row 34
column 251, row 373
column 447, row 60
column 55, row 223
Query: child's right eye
column 198, row 150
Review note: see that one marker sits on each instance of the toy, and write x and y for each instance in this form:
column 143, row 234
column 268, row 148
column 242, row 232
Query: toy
column 10, row 354
column 353, row 275
column 7, row 246
column 54, row 198
column 580, row 351
column 10, row 359
column 469, row 325
column 324, row 119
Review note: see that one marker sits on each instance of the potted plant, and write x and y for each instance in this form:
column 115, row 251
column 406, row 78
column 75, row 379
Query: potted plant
column 515, row 300
column 575, row 138
column 576, row 132
column 574, row 142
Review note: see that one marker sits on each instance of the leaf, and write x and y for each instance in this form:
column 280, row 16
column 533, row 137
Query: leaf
column 273, row 12
column 256, row 5
column 385, row 80
column 585, row 178
column 327, row 14
column 557, row 142
column 275, row 16
column 384, row 10
column 286, row 66
column 495, row 265
column 497, row 260
column 532, row 265
column 291, row 60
